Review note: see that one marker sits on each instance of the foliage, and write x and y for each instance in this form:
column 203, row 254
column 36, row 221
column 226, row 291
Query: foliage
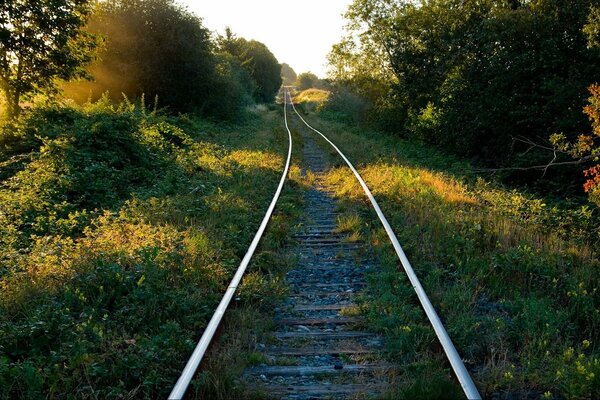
column 232, row 91
column 363, row 81
column 258, row 60
column 40, row 42
column 585, row 149
column 288, row 75
column 154, row 48
column 311, row 99
column 118, row 233
column 160, row 50
column 472, row 76
column 513, row 276
column 307, row 80
column 346, row 105
column 316, row 96
column 592, row 28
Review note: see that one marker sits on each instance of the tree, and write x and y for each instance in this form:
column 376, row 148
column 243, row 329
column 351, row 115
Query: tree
column 154, row 48
column 471, row 75
column 307, row 80
column 592, row 28
column 288, row 75
column 41, row 41
column 258, row 60
column 585, row 146
column 233, row 88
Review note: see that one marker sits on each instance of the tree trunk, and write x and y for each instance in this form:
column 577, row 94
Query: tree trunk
column 14, row 110
column 13, row 97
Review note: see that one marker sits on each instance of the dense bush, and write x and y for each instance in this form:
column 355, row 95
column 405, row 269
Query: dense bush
column 118, row 232
column 258, row 60
column 307, row 80
column 233, row 89
column 158, row 49
column 152, row 47
column 84, row 162
column 513, row 277
column 288, row 75
column 472, row 76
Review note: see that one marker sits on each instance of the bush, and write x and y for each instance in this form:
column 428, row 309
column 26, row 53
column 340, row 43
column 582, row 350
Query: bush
column 158, row 49
column 118, row 236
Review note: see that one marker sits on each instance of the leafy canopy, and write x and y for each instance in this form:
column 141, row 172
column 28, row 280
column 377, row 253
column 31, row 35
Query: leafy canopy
column 152, row 47
column 258, row 60
column 307, row 80
column 471, row 76
column 41, row 41
column 288, row 75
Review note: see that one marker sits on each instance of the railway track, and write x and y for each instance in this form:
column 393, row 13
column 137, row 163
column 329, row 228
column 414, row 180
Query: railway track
column 321, row 348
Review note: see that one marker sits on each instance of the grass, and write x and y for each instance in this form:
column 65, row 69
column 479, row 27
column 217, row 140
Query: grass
column 311, row 99
column 312, row 96
column 119, row 231
column 513, row 277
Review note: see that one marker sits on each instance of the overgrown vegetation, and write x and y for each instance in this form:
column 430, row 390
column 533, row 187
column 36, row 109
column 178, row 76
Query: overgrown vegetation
column 258, row 60
column 158, row 49
column 153, row 48
column 307, row 80
column 119, row 229
column 313, row 99
column 473, row 76
column 288, row 75
column 121, row 223
column 41, row 42
column 513, row 277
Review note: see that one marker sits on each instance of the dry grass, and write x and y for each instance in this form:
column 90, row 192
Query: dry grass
column 315, row 96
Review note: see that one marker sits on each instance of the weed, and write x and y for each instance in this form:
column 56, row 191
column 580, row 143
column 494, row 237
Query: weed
column 119, row 232
column 513, row 276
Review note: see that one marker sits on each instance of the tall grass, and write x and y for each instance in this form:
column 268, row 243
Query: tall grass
column 118, row 233
column 514, row 277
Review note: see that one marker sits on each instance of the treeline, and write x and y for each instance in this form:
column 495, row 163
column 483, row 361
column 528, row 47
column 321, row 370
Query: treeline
column 487, row 79
column 159, row 49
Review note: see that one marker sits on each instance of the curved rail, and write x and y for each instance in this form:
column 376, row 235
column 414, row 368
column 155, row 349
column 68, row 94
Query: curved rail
column 194, row 361
column 458, row 366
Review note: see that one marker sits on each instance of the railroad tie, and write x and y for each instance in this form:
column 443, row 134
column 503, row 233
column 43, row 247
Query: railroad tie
column 321, row 348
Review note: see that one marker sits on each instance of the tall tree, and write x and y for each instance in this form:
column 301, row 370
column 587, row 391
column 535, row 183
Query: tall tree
column 288, row 75
column 307, row 80
column 472, row 75
column 41, row 41
column 258, row 60
column 155, row 48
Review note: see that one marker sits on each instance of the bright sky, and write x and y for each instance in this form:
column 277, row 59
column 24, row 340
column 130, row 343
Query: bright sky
column 299, row 33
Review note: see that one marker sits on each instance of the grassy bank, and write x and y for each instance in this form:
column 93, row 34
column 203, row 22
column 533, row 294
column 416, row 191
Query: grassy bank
column 513, row 278
column 119, row 230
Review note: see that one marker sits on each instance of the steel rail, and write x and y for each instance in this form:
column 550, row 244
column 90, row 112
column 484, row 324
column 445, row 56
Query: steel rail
column 456, row 362
column 196, row 357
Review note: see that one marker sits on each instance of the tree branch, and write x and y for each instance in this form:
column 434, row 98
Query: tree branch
column 543, row 167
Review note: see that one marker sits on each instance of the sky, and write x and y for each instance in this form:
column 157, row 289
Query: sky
column 299, row 33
